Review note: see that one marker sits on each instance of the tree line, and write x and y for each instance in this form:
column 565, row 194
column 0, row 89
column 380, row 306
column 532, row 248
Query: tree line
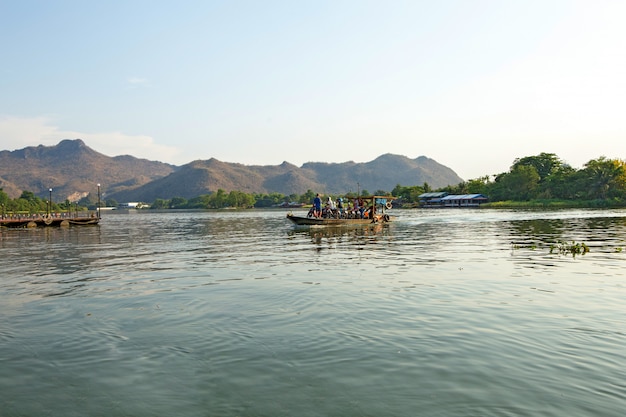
column 601, row 182
column 29, row 203
column 238, row 199
column 544, row 177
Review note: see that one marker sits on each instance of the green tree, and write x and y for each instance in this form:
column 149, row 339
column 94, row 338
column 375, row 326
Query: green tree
column 160, row 204
column 545, row 164
column 4, row 197
column 409, row 194
column 23, row 205
column 178, row 203
column 519, row 184
column 240, row 199
column 477, row 186
column 605, row 178
column 218, row 199
column 553, row 174
column 200, row 202
column 307, row 198
column 269, row 200
column 30, row 197
column 4, row 202
column 560, row 184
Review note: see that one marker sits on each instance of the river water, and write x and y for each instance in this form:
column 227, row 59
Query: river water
column 236, row 313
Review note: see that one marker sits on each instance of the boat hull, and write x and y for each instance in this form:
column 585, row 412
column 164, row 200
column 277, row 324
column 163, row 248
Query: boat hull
column 313, row 221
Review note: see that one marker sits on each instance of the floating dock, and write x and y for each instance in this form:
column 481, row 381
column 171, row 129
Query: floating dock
column 48, row 221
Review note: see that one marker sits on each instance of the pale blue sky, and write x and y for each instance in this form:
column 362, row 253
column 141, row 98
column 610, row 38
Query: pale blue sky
column 471, row 84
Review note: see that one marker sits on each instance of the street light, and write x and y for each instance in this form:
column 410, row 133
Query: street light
column 50, row 202
column 98, row 201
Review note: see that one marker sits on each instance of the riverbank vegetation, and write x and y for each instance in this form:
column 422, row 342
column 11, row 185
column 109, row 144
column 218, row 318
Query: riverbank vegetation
column 29, row 203
column 546, row 181
column 541, row 181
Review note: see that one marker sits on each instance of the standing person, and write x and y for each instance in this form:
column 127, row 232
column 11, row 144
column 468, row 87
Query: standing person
column 317, row 206
column 361, row 207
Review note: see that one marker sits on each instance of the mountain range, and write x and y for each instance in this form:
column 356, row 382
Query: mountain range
column 73, row 170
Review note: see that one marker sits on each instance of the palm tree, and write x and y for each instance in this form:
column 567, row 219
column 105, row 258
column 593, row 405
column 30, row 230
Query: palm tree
column 605, row 177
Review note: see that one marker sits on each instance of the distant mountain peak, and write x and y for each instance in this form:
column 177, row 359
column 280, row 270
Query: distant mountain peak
column 74, row 143
column 73, row 168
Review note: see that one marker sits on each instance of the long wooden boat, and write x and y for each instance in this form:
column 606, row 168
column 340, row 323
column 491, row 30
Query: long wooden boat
column 314, row 221
column 381, row 205
column 49, row 221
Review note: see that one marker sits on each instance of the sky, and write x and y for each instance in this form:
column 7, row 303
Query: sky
column 472, row 84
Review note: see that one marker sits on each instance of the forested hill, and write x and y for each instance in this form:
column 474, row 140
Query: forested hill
column 73, row 169
column 383, row 173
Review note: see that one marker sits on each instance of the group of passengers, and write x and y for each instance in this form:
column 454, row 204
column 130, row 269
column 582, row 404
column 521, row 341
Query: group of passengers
column 344, row 209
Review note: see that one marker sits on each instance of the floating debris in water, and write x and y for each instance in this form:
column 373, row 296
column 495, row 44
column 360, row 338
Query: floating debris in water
column 564, row 248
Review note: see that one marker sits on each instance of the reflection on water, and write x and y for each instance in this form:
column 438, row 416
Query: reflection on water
column 352, row 235
column 605, row 231
column 449, row 312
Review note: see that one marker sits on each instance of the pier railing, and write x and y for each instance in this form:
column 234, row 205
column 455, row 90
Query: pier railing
column 35, row 219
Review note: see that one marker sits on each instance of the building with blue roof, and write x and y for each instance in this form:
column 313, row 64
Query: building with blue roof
column 443, row 199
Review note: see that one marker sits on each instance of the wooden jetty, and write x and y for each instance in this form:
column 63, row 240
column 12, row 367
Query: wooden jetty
column 49, row 221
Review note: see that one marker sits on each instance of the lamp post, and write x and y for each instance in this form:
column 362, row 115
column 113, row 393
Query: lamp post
column 50, row 202
column 98, row 201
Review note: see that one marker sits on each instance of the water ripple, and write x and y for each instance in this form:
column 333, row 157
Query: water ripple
column 449, row 312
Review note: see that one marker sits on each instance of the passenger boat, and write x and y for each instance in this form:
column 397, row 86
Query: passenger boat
column 376, row 212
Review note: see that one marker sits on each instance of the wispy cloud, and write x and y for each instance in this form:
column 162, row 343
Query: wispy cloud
column 136, row 82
